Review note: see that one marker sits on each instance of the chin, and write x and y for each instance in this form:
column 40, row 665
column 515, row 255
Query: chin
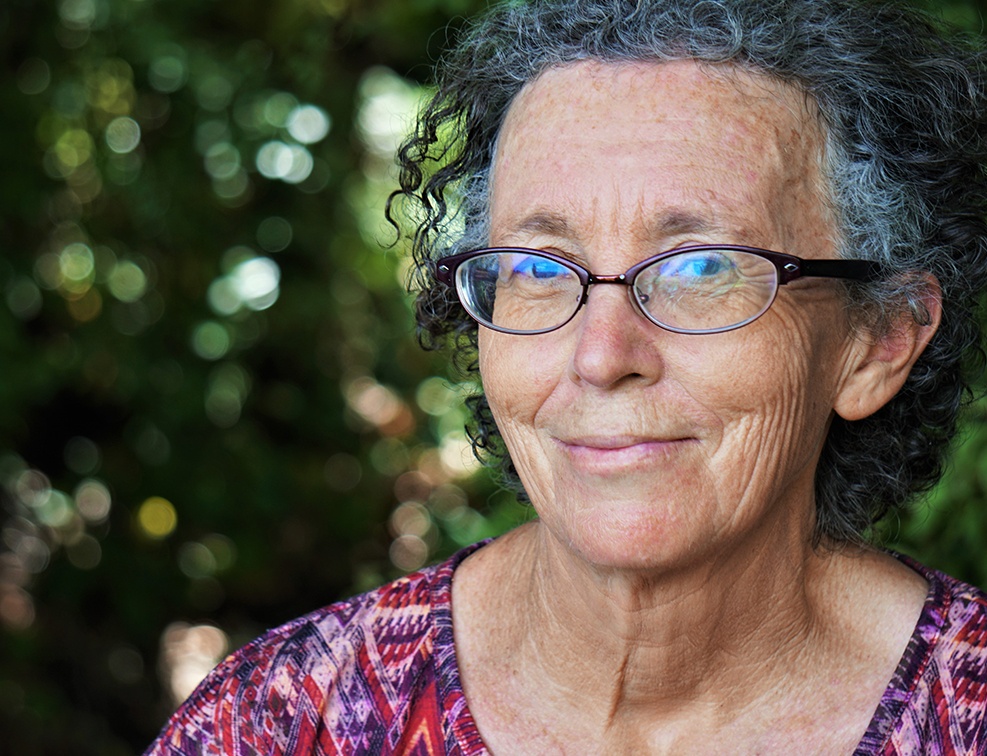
column 632, row 539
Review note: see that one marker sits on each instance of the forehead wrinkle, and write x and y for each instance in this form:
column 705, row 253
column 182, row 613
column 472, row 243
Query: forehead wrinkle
column 787, row 182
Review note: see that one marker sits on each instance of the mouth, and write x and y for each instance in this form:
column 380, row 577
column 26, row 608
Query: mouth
column 600, row 454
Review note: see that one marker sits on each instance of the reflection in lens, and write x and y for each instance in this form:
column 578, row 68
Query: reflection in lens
column 518, row 291
column 706, row 290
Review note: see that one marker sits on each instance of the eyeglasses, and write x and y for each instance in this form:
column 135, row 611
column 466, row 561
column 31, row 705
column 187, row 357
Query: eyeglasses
column 694, row 289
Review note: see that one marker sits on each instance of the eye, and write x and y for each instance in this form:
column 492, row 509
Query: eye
column 538, row 267
column 698, row 266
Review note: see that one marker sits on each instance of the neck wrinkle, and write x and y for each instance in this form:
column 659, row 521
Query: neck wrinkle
column 665, row 641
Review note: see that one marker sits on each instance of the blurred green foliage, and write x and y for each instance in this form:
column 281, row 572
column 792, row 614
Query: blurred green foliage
column 212, row 409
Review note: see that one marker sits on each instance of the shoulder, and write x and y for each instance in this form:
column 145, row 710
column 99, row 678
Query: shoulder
column 961, row 650
column 358, row 659
column 955, row 622
column 944, row 672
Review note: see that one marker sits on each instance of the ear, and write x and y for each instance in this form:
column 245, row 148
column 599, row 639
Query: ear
column 883, row 361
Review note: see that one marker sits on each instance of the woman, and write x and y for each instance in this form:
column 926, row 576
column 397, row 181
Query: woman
column 720, row 264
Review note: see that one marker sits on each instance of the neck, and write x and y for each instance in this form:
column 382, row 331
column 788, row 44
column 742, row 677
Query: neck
column 655, row 638
column 733, row 643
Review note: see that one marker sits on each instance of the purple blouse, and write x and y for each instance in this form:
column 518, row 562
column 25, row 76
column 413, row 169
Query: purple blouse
column 377, row 674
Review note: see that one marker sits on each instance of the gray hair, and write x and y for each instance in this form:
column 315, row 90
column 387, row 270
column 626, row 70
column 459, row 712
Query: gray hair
column 904, row 112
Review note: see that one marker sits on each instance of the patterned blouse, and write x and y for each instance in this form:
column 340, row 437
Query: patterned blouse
column 377, row 674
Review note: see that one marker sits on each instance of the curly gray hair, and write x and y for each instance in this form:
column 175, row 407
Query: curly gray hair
column 904, row 111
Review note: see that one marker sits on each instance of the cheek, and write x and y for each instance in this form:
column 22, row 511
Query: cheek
column 518, row 373
column 520, row 377
column 777, row 398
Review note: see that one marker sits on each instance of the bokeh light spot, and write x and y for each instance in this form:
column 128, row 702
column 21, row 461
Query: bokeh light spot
column 87, row 307
column 222, row 160
column 110, row 87
column 73, row 148
column 435, row 396
column 211, row 340
column 378, row 405
column 234, row 191
column 291, row 163
column 33, row 76
column 157, row 518
column 222, row 297
column 214, row 92
column 256, row 282
column 168, row 73
column 408, row 552
column 92, row 500
column 127, row 281
column 228, row 388
column 48, row 271
column 32, row 487
column 55, row 510
column 77, row 14
column 69, row 99
column 388, row 107
column 211, row 132
column 274, row 234
column 123, row 170
column 456, row 454
column 195, row 560
column 84, row 553
column 77, row 267
column 278, row 108
column 81, row 455
column 411, row 518
column 23, row 298
column 31, row 552
column 188, row 653
column 308, row 124
column 389, row 456
column 222, row 549
column 123, row 135
column 16, row 609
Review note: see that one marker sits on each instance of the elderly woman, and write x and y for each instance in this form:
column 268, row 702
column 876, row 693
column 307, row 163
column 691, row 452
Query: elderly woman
column 718, row 262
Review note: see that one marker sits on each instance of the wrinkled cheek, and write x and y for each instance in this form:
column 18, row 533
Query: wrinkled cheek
column 770, row 450
column 516, row 390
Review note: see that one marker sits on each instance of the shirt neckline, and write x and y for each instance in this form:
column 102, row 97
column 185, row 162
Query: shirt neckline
column 913, row 662
column 895, row 699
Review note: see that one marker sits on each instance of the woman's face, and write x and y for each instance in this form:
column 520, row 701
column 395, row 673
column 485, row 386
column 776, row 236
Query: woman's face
column 640, row 447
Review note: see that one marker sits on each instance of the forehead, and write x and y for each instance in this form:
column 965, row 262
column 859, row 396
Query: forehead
column 598, row 143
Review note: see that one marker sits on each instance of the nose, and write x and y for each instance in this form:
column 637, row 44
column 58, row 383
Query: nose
column 614, row 342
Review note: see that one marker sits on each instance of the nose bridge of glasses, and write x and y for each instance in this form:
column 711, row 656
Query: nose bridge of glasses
column 595, row 279
column 592, row 278
column 621, row 280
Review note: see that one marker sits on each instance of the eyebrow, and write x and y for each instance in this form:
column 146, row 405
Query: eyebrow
column 545, row 222
column 671, row 222
column 675, row 222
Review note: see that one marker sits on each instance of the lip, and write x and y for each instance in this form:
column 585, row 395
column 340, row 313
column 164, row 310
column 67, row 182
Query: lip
column 601, row 454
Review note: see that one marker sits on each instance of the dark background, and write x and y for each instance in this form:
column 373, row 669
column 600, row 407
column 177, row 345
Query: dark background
column 213, row 414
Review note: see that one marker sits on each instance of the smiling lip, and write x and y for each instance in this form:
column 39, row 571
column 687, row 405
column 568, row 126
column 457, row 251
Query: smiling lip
column 605, row 453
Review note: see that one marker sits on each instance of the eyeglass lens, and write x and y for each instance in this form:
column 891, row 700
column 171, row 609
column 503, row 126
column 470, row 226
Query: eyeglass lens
column 694, row 291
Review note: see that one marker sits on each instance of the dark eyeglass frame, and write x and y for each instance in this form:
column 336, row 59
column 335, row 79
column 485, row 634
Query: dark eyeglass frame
column 789, row 267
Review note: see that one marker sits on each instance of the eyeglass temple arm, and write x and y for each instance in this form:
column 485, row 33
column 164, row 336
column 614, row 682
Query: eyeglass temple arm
column 857, row 270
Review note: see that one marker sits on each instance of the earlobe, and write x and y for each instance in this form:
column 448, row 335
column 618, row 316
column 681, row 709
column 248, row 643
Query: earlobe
column 885, row 360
